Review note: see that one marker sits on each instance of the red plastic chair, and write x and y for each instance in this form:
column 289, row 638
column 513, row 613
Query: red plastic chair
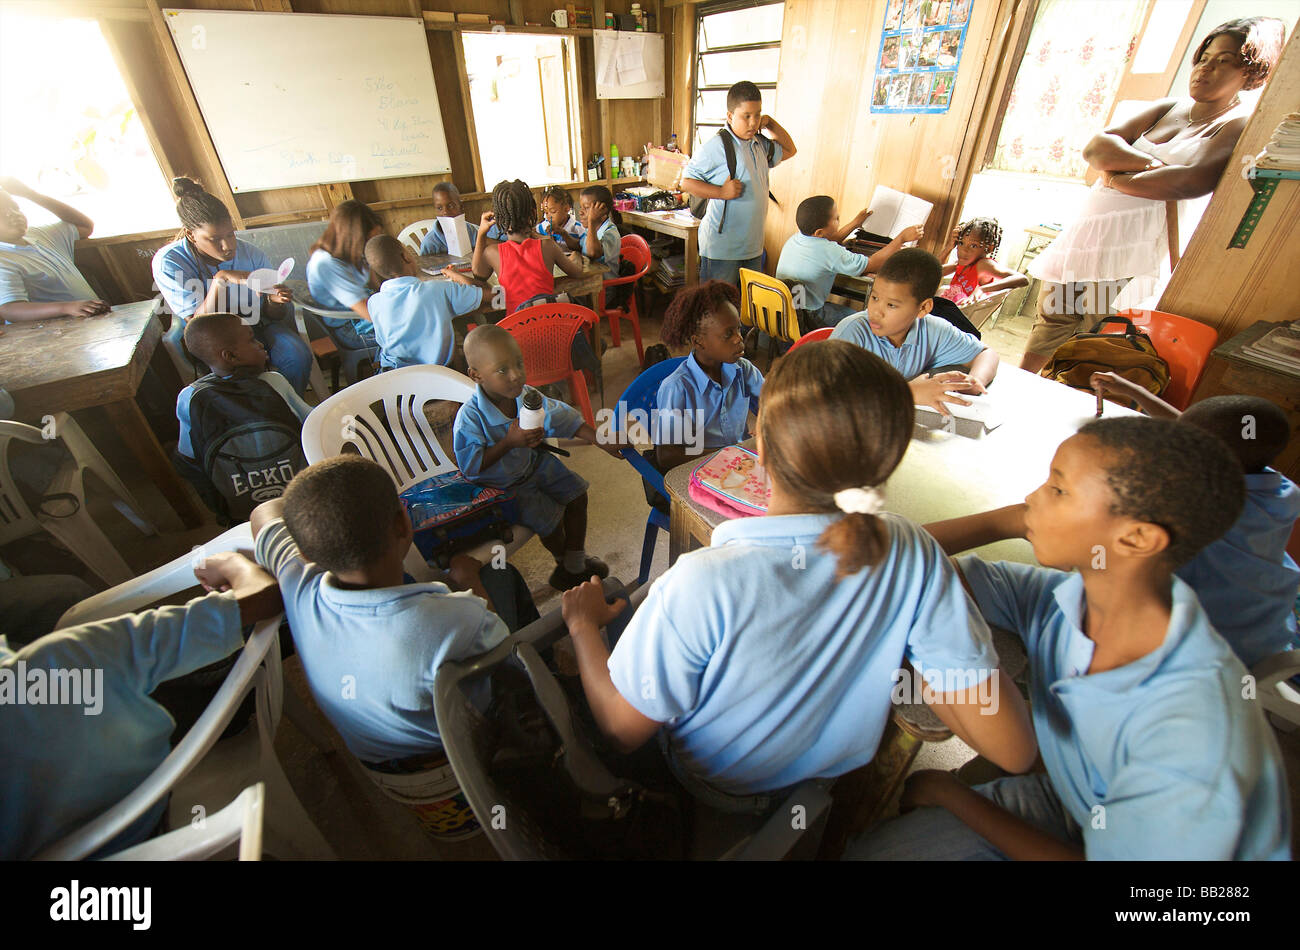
column 812, row 336
column 636, row 250
column 1183, row 343
column 545, row 334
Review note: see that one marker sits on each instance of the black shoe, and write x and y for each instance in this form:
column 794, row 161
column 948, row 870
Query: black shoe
column 562, row 580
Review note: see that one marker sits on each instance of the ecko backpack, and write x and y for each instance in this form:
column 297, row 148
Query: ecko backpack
column 246, row 439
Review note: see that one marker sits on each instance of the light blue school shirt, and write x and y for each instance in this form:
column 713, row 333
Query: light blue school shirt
column 930, row 343
column 273, row 379
column 689, row 399
column 814, row 262
column 1184, row 767
column 1245, row 580
column 184, row 279
column 480, row 425
column 741, row 237
column 611, row 245
column 370, row 656
column 572, row 227
column 337, row 285
column 766, row 671
column 43, row 269
column 412, row 319
column 62, row 767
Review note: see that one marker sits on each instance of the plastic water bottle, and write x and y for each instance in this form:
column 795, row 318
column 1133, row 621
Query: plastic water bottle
column 532, row 415
column 613, row 161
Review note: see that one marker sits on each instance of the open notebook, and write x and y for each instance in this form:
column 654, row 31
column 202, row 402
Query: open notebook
column 892, row 211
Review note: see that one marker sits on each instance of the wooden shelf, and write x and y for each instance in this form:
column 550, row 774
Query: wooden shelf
column 454, row 25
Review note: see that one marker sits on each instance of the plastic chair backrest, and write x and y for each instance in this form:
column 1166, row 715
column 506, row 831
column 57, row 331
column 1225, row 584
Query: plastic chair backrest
column 413, row 234
column 240, row 821
column 171, row 578
column 641, row 397
column 1185, row 344
column 286, row 240
column 258, row 667
column 383, row 417
column 17, row 520
column 765, row 302
column 633, row 248
column 812, row 336
column 545, row 333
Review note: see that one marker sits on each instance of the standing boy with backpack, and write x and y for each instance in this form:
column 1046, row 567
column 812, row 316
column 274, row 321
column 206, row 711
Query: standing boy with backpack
column 732, row 167
column 241, row 425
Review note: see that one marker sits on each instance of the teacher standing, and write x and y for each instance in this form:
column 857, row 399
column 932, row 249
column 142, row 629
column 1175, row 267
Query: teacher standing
column 1169, row 157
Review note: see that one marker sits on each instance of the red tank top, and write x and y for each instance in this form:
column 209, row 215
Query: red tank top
column 523, row 272
column 965, row 280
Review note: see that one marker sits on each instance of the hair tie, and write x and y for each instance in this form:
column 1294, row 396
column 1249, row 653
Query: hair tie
column 859, row 501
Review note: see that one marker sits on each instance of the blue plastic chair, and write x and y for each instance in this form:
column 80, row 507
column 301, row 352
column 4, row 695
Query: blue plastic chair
column 641, row 395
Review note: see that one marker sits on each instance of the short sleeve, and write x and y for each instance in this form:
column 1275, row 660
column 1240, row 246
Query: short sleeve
column 846, row 262
column 708, row 164
column 433, row 242
column 463, row 298
column 1015, row 596
column 852, row 330
column 255, row 256
column 183, row 443
column 562, row 420
column 657, row 666
column 950, row 346
column 611, row 247
column 60, row 236
column 753, row 383
column 468, row 441
column 340, row 281
column 670, row 410
column 276, row 551
column 949, row 642
column 778, row 154
column 12, row 287
column 183, row 291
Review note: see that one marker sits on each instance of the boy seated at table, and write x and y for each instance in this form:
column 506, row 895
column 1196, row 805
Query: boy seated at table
column 899, row 328
column 227, row 345
column 336, row 542
column 815, row 255
column 1245, row 581
column 1152, row 749
column 446, row 204
column 413, row 317
column 66, row 762
column 38, row 278
column 492, row 449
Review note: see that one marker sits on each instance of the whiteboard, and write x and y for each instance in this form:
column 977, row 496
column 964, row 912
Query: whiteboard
column 629, row 65
column 303, row 99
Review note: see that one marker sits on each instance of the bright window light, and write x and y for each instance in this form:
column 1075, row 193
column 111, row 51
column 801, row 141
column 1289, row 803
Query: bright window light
column 69, row 130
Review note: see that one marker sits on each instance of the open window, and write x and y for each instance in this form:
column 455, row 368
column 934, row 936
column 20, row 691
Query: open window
column 523, row 93
column 734, row 42
column 70, row 130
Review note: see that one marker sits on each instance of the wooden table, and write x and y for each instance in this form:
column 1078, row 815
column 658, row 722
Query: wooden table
column 589, row 283
column 945, row 475
column 72, row 363
column 676, row 225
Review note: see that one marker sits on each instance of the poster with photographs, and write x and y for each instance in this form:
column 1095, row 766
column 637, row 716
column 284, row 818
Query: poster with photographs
column 920, row 49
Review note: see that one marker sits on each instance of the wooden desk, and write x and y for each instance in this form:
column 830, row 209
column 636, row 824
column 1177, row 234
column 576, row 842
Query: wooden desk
column 858, row 288
column 944, row 475
column 1228, row 373
column 589, row 283
column 72, row 363
column 677, row 225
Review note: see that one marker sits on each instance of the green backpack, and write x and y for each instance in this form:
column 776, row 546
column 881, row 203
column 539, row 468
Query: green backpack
column 1131, row 355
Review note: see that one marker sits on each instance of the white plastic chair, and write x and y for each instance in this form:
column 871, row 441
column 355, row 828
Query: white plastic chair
column 413, row 234
column 1279, row 697
column 401, row 440
column 78, row 531
column 203, row 774
column 240, row 821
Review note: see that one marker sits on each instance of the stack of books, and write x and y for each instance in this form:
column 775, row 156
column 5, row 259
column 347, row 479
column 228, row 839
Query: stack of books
column 671, row 272
column 1283, row 149
column 1279, row 349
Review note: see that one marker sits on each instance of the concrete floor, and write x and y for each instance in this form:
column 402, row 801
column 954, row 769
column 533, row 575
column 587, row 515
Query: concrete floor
column 358, row 821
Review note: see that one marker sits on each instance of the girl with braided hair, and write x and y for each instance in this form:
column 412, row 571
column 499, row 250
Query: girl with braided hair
column 523, row 264
column 975, row 273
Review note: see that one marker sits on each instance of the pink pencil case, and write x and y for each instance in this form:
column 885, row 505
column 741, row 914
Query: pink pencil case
column 731, row 482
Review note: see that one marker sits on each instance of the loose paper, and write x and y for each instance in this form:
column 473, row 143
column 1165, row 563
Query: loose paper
column 456, row 233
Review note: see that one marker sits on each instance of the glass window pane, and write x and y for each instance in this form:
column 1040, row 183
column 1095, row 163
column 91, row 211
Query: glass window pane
column 742, row 27
column 72, row 132
column 712, row 106
column 723, row 69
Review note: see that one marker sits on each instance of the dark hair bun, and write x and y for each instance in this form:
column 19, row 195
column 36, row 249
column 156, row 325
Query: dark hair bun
column 186, row 186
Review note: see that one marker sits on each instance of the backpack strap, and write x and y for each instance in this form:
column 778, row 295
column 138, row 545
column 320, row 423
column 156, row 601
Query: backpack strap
column 1129, row 329
column 729, row 150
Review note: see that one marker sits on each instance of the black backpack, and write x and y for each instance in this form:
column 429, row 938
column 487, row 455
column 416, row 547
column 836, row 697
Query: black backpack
column 246, row 439
column 700, row 206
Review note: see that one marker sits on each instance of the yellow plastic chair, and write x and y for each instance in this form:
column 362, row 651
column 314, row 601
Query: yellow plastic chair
column 765, row 303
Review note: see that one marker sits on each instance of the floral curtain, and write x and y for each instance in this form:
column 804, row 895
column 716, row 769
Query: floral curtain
column 1063, row 92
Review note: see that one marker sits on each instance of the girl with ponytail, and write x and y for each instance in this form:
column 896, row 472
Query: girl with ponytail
column 205, row 270
column 771, row 656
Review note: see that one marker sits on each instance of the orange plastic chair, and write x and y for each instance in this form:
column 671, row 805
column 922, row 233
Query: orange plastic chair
column 545, row 333
column 636, row 250
column 1183, row 343
column 812, row 336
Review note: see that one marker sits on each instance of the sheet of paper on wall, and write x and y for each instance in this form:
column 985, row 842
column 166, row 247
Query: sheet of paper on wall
column 892, row 211
column 457, row 235
column 629, row 58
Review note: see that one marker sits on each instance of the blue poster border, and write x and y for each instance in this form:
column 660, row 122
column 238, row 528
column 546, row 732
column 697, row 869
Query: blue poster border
column 887, row 74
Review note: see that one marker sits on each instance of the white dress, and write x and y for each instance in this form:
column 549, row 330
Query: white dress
column 1117, row 235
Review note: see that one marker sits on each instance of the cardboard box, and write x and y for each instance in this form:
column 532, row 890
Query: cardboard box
column 666, row 168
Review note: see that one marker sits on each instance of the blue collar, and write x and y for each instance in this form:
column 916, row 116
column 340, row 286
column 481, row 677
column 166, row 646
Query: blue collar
column 701, row 379
column 772, row 530
column 491, row 414
column 396, row 283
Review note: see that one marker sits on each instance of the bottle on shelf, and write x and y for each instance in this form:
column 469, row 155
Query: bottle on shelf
column 672, row 144
column 613, row 161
